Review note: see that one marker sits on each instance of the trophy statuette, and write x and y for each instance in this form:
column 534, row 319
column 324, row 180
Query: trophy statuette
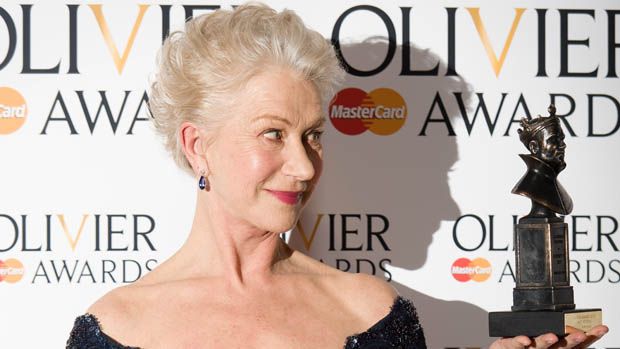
column 542, row 298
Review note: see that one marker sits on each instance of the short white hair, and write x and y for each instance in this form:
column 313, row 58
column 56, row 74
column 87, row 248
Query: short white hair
column 199, row 68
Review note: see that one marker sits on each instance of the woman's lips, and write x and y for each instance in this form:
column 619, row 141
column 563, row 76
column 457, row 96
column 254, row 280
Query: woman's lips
column 287, row 197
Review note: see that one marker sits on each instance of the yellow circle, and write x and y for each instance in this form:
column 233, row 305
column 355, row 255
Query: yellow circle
column 481, row 269
column 13, row 110
column 390, row 111
column 13, row 270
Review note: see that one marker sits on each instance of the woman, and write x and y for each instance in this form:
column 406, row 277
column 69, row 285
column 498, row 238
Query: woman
column 239, row 101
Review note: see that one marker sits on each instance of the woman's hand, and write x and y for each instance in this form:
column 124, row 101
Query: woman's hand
column 575, row 339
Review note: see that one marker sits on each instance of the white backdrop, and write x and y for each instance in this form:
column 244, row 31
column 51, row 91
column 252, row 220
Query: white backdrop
column 88, row 203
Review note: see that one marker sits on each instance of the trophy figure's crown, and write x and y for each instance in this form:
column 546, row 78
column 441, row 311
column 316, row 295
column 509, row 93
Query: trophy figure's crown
column 531, row 126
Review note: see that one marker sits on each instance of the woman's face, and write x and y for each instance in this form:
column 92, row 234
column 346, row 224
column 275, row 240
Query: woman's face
column 266, row 158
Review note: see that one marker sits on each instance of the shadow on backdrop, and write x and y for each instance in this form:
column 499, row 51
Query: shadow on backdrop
column 402, row 177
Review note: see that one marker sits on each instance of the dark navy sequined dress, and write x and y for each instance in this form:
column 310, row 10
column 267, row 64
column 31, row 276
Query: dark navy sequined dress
column 400, row 329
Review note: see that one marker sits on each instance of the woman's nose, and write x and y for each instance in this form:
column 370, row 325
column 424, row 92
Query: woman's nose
column 298, row 163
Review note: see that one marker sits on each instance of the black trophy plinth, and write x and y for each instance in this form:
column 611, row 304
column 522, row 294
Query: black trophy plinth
column 543, row 299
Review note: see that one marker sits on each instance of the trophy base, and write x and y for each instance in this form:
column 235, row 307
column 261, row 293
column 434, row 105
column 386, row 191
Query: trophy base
column 554, row 298
column 535, row 323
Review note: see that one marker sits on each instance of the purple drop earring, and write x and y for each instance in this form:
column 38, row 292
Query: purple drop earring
column 203, row 182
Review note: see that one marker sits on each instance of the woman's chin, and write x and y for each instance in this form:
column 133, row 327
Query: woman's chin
column 280, row 224
column 283, row 228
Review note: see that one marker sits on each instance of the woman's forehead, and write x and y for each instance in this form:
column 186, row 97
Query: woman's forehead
column 281, row 83
column 281, row 94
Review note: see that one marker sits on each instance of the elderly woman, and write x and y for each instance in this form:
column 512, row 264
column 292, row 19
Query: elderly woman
column 239, row 100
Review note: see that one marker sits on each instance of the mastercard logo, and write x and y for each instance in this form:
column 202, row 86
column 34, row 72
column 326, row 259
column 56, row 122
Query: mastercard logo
column 11, row 270
column 464, row 269
column 382, row 111
column 13, row 110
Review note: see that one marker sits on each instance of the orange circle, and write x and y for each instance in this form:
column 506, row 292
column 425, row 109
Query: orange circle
column 11, row 270
column 13, row 110
column 390, row 111
column 481, row 269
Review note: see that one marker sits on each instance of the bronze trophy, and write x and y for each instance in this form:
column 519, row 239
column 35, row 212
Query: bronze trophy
column 543, row 297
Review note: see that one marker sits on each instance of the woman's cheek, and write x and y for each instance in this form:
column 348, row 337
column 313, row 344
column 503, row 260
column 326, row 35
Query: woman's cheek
column 263, row 163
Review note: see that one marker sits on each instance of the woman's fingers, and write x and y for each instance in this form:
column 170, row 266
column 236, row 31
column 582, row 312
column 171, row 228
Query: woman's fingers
column 571, row 340
column 574, row 339
column 598, row 331
column 519, row 342
column 579, row 339
column 544, row 341
column 594, row 334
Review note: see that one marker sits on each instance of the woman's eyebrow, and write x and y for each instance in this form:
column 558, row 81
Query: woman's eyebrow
column 272, row 117
column 319, row 122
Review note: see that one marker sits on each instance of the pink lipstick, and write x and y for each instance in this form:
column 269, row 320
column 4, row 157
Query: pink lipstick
column 287, row 197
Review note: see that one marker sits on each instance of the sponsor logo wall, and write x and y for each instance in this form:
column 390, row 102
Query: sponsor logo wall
column 420, row 154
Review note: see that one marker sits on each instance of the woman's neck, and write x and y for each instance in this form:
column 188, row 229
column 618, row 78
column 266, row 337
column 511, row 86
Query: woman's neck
column 222, row 246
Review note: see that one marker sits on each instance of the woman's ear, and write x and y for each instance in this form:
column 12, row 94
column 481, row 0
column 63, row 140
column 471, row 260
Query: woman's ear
column 194, row 146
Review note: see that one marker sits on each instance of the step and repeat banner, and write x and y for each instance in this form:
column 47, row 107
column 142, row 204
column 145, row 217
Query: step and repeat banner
column 421, row 153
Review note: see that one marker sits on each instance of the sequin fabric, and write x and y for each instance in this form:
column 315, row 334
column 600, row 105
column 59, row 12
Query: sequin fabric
column 87, row 334
column 400, row 329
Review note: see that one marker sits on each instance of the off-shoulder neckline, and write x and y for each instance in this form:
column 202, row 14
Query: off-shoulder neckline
column 377, row 325
column 398, row 301
column 107, row 337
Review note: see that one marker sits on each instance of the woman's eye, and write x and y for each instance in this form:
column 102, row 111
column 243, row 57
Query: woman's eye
column 315, row 136
column 273, row 134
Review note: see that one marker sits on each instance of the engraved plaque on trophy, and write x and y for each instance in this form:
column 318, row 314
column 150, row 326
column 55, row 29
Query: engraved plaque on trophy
column 542, row 298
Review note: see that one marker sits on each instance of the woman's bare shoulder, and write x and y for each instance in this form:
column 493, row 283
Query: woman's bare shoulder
column 115, row 300
column 352, row 285
column 368, row 297
column 116, row 309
